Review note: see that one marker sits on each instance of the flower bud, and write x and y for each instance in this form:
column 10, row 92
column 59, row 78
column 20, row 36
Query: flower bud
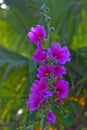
column 48, row 19
column 47, row 10
column 52, row 29
column 42, row 13
column 43, row 7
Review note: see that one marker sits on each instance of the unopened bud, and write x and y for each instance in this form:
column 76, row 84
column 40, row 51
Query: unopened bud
column 52, row 29
column 48, row 19
column 47, row 10
column 41, row 13
column 43, row 7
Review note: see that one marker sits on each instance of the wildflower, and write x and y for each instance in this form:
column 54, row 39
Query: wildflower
column 37, row 34
column 59, row 71
column 58, row 54
column 51, row 117
column 40, row 55
column 41, row 88
column 82, row 101
column 72, row 98
column 61, row 88
column 40, row 91
column 44, row 71
column 35, row 101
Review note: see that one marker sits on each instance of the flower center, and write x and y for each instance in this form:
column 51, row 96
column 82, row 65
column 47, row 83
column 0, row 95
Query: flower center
column 56, row 56
column 37, row 102
column 42, row 88
column 46, row 74
column 42, row 58
column 58, row 92
column 56, row 69
column 39, row 38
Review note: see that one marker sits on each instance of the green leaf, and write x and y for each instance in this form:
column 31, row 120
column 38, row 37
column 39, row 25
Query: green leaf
column 62, row 128
column 11, row 58
column 69, row 119
column 42, row 123
column 31, row 127
column 32, row 69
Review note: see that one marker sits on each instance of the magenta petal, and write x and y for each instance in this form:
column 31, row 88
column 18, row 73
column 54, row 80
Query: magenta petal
column 58, row 71
column 40, row 55
column 51, row 118
column 41, row 88
column 58, row 54
column 44, row 71
column 35, row 101
column 37, row 34
column 61, row 88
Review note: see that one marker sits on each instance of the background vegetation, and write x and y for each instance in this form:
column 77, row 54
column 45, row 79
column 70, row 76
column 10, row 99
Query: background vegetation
column 17, row 70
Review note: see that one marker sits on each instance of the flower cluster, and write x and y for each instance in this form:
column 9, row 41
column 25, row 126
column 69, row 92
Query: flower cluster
column 49, row 82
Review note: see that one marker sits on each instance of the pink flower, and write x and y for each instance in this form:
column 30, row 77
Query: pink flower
column 40, row 55
column 59, row 71
column 44, row 71
column 58, row 54
column 51, row 118
column 41, row 87
column 61, row 88
column 37, row 34
column 35, row 101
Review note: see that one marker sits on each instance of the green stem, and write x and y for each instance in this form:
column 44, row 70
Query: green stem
column 48, row 25
column 47, row 127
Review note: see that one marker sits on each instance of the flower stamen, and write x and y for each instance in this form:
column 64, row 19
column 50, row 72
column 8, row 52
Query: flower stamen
column 46, row 74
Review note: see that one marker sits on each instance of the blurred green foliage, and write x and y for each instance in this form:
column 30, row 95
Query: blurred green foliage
column 17, row 70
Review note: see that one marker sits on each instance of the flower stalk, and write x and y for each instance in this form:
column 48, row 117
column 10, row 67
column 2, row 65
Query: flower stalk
column 48, row 88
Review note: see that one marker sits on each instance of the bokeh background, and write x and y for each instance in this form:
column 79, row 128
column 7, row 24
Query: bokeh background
column 17, row 70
